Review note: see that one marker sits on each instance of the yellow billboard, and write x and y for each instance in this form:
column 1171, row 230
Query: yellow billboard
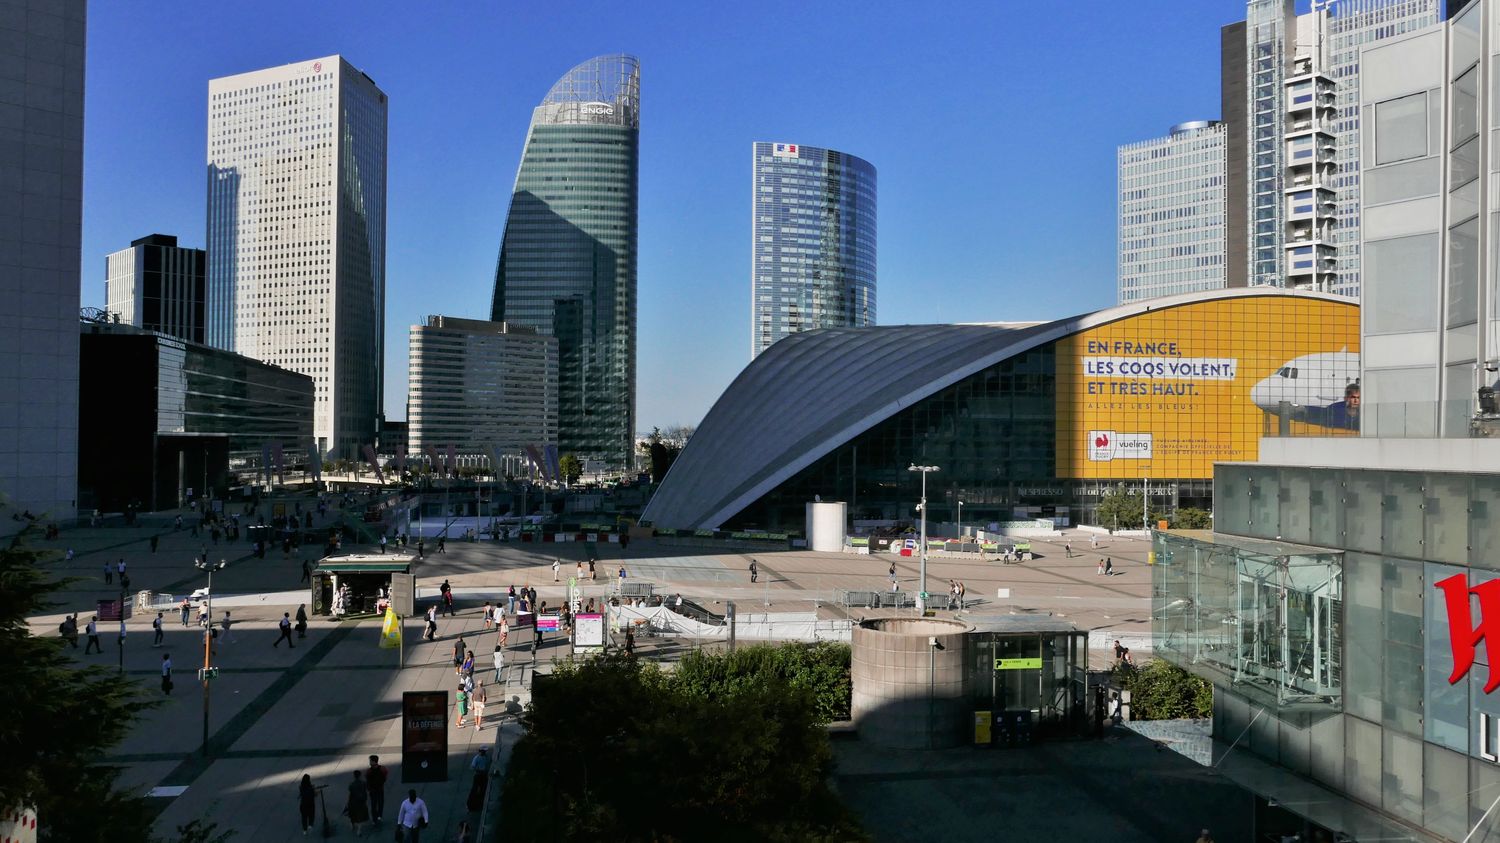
column 1169, row 392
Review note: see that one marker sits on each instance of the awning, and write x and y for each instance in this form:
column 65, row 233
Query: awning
column 395, row 566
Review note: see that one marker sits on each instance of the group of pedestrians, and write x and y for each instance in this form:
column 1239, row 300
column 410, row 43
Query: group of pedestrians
column 365, row 803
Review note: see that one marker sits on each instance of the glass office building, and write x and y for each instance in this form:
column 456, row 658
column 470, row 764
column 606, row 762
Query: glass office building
column 166, row 420
column 567, row 262
column 812, row 242
column 1171, row 226
column 1024, row 421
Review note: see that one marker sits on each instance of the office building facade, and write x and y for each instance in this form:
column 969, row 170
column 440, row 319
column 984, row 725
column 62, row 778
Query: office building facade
column 165, row 420
column 812, row 241
column 478, row 385
column 157, row 285
column 1172, row 205
column 41, row 212
column 1433, row 306
column 296, row 233
column 567, row 264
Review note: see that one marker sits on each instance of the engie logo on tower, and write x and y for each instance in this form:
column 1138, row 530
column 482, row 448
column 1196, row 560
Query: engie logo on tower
column 598, row 109
column 1106, row 445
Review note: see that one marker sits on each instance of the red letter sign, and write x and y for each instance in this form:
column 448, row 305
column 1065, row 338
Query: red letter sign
column 1463, row 635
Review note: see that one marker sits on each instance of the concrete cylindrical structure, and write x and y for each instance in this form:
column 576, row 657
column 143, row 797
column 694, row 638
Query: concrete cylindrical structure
column 910, row 682
column 825, row 526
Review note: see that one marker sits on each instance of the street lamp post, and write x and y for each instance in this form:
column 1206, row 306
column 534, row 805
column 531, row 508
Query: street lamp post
column 208, row 632
column 960, row 526
column 922, row 584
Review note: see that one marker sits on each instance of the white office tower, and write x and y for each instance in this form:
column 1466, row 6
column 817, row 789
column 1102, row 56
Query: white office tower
column 296, row 233
column 476, row 385
column 41, row 211
column 1171, row 227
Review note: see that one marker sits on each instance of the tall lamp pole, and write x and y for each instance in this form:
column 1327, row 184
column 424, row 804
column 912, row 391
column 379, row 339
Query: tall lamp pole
column 960, row 525
column 208, row 639
column 922, row 589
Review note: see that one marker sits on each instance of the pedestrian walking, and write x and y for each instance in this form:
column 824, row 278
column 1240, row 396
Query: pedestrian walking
column 157, row 631
column 382, row 543
column 70, row 555
column 186, row 608
column 458, row 655
column 629, row 642
column 120, row 569
column 166, row 674
column 286, row 631
column 962, row 591
column 754, row 571
column 504, row 632
column 480, row 763
column 441, row 541
column 622, row 576
column 412, row 817
column 445, row 596
column 1068, row 550
column 489, row 617
column 892, row 572
column 1109, row 567
column 302, row 620
column 463, row 706
column 203, row 614
column 306, row 572
column 510, row 600
column 1100, row 572
column 592, row 576
column 578, row 570
column 431, row 633
column 421, row 547
column 375, row 778
column 109, row 574
column 467, row 668
column 307, row 803
column 92, row 630
column 480, row 698
column 1093, row 540
column 121, row 642
column 154, row 540
column 357, row 809
column 499, row 660
column 68, row 631
column 224, row 624
column 536, row 643
column 556, row 566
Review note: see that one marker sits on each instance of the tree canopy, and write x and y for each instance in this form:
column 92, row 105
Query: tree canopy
column 616, row 749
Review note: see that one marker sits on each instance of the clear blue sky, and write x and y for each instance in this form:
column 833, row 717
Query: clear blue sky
column 993, row 126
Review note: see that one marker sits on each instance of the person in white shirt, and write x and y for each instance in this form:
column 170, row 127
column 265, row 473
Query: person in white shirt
column 412, row 816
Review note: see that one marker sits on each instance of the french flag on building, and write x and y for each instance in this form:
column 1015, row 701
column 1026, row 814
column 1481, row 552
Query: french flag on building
column 785, row 150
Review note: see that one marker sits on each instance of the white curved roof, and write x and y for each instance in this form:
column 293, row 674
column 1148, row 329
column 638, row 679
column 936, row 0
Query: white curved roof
column 813, row 391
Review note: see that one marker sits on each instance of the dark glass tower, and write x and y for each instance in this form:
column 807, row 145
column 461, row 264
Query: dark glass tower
column 568, row 258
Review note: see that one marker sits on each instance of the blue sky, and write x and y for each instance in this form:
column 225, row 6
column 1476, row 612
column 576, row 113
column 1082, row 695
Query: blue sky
column 993, row 126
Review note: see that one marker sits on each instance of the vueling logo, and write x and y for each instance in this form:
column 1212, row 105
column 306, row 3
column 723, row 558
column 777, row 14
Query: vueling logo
column 1463, row 634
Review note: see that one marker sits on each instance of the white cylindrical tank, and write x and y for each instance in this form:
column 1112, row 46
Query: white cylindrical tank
column 825, row 526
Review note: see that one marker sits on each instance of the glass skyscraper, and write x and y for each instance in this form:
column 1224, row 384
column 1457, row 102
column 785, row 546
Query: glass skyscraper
column 1171, row 235
column 296, row 233
column 813, row 241
column 567, row 262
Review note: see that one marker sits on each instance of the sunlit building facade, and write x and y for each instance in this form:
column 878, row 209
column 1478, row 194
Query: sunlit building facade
column 813, row 242
column 296, row 233
column 1171, row 226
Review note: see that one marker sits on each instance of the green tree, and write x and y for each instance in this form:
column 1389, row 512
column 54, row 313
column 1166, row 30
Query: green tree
column 821, row 669
column 1160, row 690
column 615, row 749
column 59, row 720
column 1192, row 518
column 1120, row 510
column 571, row 468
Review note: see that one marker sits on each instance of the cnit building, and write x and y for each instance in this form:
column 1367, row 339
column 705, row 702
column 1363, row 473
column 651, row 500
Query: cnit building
column 1023, row 420
column 1345, row 603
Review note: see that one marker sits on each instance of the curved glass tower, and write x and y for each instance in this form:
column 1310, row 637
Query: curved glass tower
column 813, row 242
column 568, row 258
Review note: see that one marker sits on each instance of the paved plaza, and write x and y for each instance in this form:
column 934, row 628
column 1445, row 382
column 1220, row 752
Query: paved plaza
column 326, row 705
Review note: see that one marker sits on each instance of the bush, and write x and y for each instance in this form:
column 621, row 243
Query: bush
column 620, row 750
column 820, row 669
column 1160, row 690
column 1192, row 518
